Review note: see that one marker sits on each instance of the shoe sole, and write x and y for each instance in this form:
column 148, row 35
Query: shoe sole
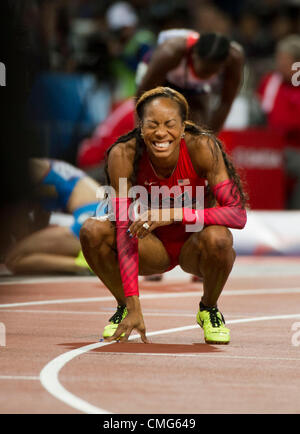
column 216, row 342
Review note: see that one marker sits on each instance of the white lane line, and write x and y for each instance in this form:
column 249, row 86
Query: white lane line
column 202, row 355
column 18, row 377
column 78, row 312
column 54, row 279
column 57, row 301
column 49, row 374
column 156, row 296
column 98, row 313
column 8, row 281
column 13, row 280
column 49, row 379
column 243, row 268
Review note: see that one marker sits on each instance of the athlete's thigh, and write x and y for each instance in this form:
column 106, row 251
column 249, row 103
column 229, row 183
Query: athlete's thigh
column 190, row 254
column 209, row 238
column 153, row 257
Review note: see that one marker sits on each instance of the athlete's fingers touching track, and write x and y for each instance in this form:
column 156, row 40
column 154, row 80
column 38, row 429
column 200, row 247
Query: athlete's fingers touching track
column 126, row 332
column 117, row 336
column 125, row 329
column 142, row 333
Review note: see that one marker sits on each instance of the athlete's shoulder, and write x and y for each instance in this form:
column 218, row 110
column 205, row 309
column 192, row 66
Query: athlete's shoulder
column 199, row 140
column 236, row 53
column 202, row 148
column 123, row 149
column 176, row 36
column 173, row 47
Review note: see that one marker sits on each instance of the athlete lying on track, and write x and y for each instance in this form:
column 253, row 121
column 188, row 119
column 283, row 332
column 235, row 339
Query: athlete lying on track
column 58, row 186
column 166, row 150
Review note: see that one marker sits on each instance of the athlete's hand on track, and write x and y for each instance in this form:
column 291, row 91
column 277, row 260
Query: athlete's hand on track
column 133, row 321
column 154, row 218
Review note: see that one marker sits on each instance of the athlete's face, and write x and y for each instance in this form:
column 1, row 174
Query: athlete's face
column 162, row 127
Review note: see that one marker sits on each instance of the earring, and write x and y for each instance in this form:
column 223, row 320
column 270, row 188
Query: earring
column 182, row 135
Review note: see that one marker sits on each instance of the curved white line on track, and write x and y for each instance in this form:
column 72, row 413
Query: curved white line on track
column 156, row 295
column 49, row 374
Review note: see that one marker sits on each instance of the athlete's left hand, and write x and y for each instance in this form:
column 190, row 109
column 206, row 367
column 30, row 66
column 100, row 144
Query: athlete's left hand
column 154, row 218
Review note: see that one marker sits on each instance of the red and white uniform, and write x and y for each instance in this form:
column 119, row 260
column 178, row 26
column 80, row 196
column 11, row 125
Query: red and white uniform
column 172, row 236
column 183, row 77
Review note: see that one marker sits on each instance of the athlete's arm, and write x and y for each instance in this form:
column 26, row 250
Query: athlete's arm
column 165, row 58
column 208, row 161
column 233, row 75
column 120, row 165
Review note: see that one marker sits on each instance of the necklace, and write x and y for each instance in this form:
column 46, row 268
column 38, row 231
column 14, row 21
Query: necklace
column 173, row 170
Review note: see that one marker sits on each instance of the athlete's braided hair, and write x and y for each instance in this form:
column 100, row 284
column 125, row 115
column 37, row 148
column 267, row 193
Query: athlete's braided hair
column 212, row 47
column 190, row 127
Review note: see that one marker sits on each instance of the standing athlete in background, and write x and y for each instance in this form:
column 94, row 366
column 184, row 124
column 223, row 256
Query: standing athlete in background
column 198, row 66
column 165, row 149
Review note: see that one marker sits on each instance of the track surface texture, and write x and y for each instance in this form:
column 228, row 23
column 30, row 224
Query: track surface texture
column 51, row 360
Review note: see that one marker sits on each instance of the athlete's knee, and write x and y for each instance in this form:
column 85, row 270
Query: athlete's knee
column 93, row 233
column 216, row 240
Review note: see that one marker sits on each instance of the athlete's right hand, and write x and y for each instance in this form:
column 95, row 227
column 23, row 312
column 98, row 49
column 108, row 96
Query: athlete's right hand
column 133, row 321
column 154, row 218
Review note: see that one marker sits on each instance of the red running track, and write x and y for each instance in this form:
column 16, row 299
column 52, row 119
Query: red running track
column 52, row 361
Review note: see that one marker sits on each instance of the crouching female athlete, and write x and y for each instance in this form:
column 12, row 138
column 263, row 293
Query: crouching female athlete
column 166, row 150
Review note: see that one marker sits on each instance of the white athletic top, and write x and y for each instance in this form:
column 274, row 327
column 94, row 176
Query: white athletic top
column 183, row 76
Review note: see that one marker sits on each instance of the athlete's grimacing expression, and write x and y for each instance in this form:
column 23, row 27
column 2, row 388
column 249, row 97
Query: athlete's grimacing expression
column 162, row 127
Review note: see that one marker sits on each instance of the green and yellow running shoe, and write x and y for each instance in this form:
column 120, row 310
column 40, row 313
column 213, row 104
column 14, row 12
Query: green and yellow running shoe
column 114, row 321
column 81, row 262
column 213, row 324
